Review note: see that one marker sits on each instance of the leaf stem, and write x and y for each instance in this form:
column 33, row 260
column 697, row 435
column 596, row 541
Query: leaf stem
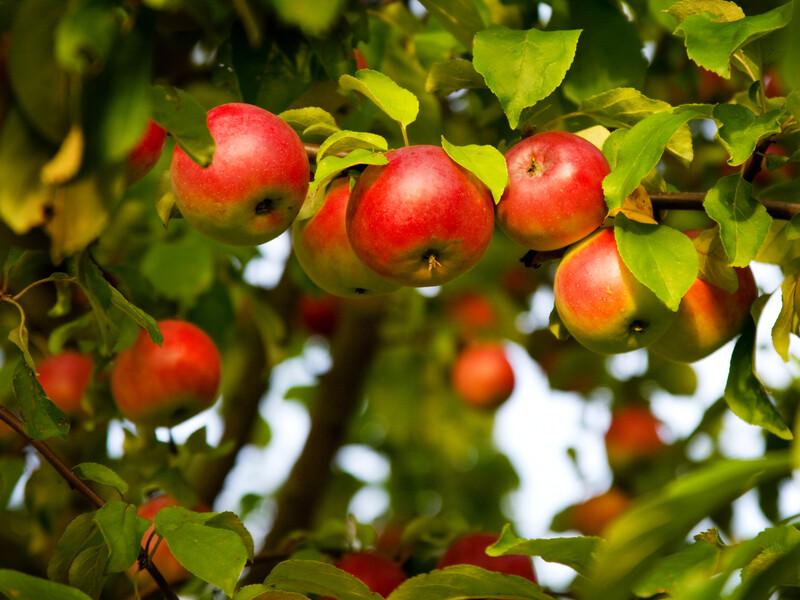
column 405, row 134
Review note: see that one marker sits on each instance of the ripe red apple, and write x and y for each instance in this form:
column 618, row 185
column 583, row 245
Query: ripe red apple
column 161, row 386
column 554, row 195
column 708, row 318
column 482, row 375
column 319, row 314
column 592, row 516
column 162, row 558
column 420, row 220
column 472, row 313
column 324, row 252
column 64, row 378
column 256, row 184
column 632, row 436
column 471, row 550
column 146, row 152
column 601, row 303
column 378, row 573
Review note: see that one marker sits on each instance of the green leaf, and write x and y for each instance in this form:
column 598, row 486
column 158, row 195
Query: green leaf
column 311, row 16
column 671, row 573
column 185, row 120
column 788, row 320
column 231, row 522
column 639, row 151
column 740, row 129
column 260, row 592
column 793, row 104
column 743, row 221
column 301, row 119
column 462, row 18
column 710, row 42
column 215, row 555
column 328, row 169
column 658, row 523
column 467, row 581
column 397, row 102
column 98, row 291
column 523, row 67
column 181, row 269
column 347, row 141
column 574, row 552
column 137, row 315
column 744, row 392
column 41, row 87
column 42, row 418
column 122, row 531
column 20, row 586
column 728, row 11
column 85, row 35
column 485, row 162
column 19, row 337
column 89, row 471
column 714, row 267
column 80, row 533
column 662, row 258
column 310, row 576
column 625, row 107
column 453, row 75
column 87, row 570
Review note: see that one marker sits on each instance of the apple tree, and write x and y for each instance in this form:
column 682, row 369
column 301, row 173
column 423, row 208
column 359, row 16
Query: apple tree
column 382, row 203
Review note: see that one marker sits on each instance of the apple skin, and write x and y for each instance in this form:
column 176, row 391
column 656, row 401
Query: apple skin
column 554, row 195
column 471, row 550
column 64, row 378
column 482, row 375
column 420, row 220
column 632, row 437
column 324, row 251
column 708, row 318
column 472, row 314
column 256, row 184
column 161, row 386
column 601, row 303
column 377, row 572
column 319, row 314
column 592, row 516
column 146, row 152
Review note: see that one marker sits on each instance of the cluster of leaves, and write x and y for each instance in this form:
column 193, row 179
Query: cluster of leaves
column 87, row 262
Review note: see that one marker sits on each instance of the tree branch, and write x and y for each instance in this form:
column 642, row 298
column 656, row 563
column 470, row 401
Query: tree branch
column 694, row 201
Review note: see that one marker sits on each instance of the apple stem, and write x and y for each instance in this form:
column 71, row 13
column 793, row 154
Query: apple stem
column 432, row 262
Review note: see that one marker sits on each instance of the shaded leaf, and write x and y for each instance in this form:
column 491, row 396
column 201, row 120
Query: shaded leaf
column 714, row 267
column 85, row 35
column 318, row 578
column 788, row 321
column 485, row 162
column 662, row 258
column 347, row 141
column 523, row 67
column 669, row 574
column 87, row 570
column 303, row 118
column 453, row 75
column 743, row 221
column 42, row 418
column 744, row 392
column 467, row 581
column 311, row 16
column 575, row 552
column 740, row 129
column 98, row 473
column 122, row 531
column 462, row 18
column 81, row 532
column 185, row 120
column 21, row 586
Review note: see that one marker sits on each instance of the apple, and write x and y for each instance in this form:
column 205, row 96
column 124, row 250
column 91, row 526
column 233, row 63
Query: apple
column 378, row 573
column 162, row 558
column 146, row 152
column 554, row 195
column 319, row 314
column 420, row 220
column 708, row 318
column 161, row 386
column 472, row 314
column 482, row 375
column 256, row 184
column 64, row 378
column 633, row 436
column 592, row 516
column 471, row 550
column 601, row 303
column 324, row 252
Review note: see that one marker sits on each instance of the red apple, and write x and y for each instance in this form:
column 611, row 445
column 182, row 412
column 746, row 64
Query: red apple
column 633, row 436
column 164, row 385
column 708, row 318
column 319, row 314
column 378, row 573
column 146, row 152
column 256, row 184
column 420, row 220
column 601, row 303
column 472, row 313
column 64, row 378
column 592, row 516
column 554, row 195
column 162, row 558
column 471, row 550
column 482, row 375
column 324, row 252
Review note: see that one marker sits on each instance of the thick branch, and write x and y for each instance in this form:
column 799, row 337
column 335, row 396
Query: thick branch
column 337, row 398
